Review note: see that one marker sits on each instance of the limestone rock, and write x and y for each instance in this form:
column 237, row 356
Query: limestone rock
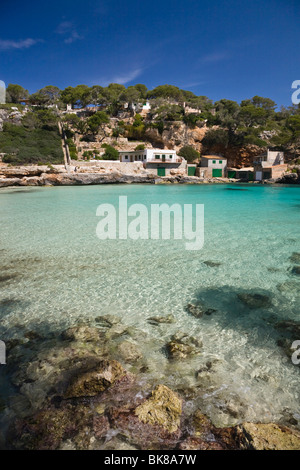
column 129, row 352
column 267, row 437
column 82, row 333
column 158, row 320
column 164, row 408
column 182, row 345
column 95, row 381
column 198, row 310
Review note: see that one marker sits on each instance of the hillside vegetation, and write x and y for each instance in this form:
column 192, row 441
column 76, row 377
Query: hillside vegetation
column 35, row 139
column 113, row 111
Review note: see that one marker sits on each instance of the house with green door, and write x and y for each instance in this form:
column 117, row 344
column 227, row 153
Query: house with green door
column 213, row 166
column 163, row 162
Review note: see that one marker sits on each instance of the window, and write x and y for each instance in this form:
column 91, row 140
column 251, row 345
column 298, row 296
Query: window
column 170, row 156
column 220, row 161
column 126, row 157
column 157, row 157
column 214, row 161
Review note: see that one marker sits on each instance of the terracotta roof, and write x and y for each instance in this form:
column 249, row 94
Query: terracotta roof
column 275, row 166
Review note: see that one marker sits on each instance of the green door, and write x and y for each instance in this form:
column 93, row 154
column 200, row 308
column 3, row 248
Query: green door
column 161, row 171
column 231, row 174
column 191, row 170
column 217, row 172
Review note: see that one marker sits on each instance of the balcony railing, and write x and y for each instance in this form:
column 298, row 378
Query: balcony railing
column 160, row 160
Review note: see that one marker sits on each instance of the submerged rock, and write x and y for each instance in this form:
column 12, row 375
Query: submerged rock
column 49, row 428
column 82, row 333
column 116, row 331
column 95, row 381
column 295, row 258
column 107, row 321
column 7, row 277
column 129, row 352
column 198, row 310
column 205, row 436
column 254, row 301
column 296, row 270
column 158, row 320
column 271, row 269
column 291, row 326
column 289, row 286
column 117, row 443
column 32, row 335
column 290, row 330
column 267, row 437
column 212, row 264
column 164, row 408
column 182, row 346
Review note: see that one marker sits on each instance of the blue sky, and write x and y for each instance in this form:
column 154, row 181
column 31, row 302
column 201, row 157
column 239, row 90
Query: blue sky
column 232, row 49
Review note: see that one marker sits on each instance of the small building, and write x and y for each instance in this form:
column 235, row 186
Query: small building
column 160, row 160
column 213, row 166
column 191, row 169
column 269, row 165
column 244, row 173
column 142, row 108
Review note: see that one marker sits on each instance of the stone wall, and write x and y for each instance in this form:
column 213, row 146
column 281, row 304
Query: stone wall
column 109, row 166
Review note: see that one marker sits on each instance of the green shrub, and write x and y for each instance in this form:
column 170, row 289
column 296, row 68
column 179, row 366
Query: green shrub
column 191, row 119
column 110, row 153
column 189, row 153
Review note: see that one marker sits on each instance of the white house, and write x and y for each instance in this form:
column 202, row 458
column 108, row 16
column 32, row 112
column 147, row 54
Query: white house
column 272, row 157
column 149, row 155
column 269, row 165
column 162, row 161
column 213, row 166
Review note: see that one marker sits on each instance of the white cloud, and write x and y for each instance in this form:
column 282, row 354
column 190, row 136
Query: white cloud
column 64, row 27
column 122, row 79
column 68, row 29
column 7, row 44
column 74, row 36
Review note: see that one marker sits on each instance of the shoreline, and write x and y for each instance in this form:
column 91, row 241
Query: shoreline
column 58, row 175
column 49, row 176
column 94, row 397
column 89, row 179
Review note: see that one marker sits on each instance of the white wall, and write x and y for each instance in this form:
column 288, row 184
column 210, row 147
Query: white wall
column 170, row 155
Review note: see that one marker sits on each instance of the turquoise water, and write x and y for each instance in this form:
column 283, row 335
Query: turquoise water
column 65, row 274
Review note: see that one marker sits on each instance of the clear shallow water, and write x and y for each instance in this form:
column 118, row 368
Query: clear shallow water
column 64, row 274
